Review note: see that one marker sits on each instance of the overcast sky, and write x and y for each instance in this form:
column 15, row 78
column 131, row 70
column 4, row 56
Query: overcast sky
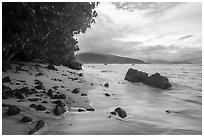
column 147, row 31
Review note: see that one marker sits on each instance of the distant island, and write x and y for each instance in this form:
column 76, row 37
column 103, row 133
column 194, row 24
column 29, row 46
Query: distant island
column 94, row 58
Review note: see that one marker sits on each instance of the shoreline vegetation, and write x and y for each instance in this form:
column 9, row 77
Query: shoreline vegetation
column 42, row 33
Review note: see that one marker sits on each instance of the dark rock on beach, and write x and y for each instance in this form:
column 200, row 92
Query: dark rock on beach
column 6, row 92
column 76, row 90
column 159, row 81
column 37, row 127
column 26, row 119
column 33, row 105
column 59, row 109
column 40, row 86
column 44, row 101
column 83, row 94
column 40, row 108
column 80, row 110
column 121, row 112
column 136, row 76
column 90, row 109
column 6, row 79
column 39, row 74
column 113, row 113
column 106, row 85
column 51, row 67
column 38, row 82
column 13, row 110
column 106, row 94
column 55, row 95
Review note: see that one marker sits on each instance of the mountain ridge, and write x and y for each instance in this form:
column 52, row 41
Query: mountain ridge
column 94, row 58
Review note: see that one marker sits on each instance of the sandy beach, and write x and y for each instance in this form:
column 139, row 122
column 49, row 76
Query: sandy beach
column 65, row 83
column 92, row 95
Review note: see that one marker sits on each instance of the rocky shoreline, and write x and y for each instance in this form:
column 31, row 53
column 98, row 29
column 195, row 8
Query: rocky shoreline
column 32, row 92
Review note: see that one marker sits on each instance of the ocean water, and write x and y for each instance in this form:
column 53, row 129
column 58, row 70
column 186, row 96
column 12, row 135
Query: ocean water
column 146, row 106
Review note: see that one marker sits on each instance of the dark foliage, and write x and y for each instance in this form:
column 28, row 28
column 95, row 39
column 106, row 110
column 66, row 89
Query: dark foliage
column 45, row 30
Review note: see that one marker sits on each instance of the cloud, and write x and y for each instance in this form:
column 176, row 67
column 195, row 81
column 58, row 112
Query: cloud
column 185, row 37
column 169, row 31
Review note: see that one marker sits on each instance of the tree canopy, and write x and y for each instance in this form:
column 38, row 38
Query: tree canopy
column 45, row 30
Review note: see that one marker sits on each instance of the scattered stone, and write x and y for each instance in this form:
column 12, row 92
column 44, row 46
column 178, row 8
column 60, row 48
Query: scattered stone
column 47, row 112
column 83, row 94
column 20, row 95
column 159, row 81
column 44, row 101
column 38, row 82
column 21, row 80
column 90, row 109
column 40, row 86
column 33, row 105
column 113, row 113
column 62, row 87
column 55, row 95
column 6, row 79
column 80, row 110
column 37, row 127
column 55, row 87
column 7, row 92
column 106, row 85
column 51, row 67
column 39, row 74
column 13, row 110
column 26, row 119
column 106, row 94
column 136, row 76
column 121, row 112
column 76, row 90
column 80, row 74
column 91, row 84
column 17, row 83
column 167, row 111
column 58, row 110
column 40, row 108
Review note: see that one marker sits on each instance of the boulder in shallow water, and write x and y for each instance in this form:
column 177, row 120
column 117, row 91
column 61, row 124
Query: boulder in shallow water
column 134, row 75
column 159, row 81
column 121, row 112
column 13, row 110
